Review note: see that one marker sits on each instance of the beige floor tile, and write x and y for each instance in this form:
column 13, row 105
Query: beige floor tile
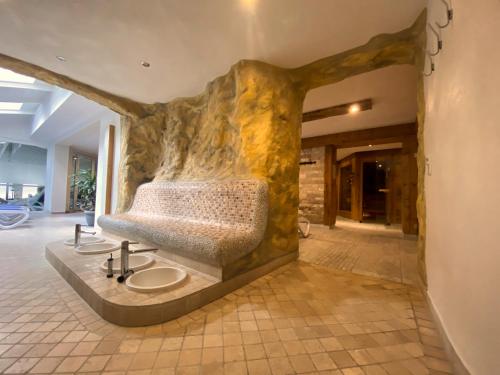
column 322, row 361
column 39, row 350
column 172, row 343
column 235, row 368
column 84, row 348
column 151, row 344
column 302, row 363
column 234, row 353
column 188, row 370
column 258, row 367
column 119, row 362
column 143, row 361
column 62, row 349
column 212, row 355
column 353, row 371
column 129, row 346
column 212, row 340
column 95, row 363
column 22, row 365
column 71, row 364
column 167, row 359
column 192, row 342
column 47, row 365
column 275, row 349
column 189, row 357
column 17, row 350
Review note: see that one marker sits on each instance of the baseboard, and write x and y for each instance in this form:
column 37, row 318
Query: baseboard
column 459, row 367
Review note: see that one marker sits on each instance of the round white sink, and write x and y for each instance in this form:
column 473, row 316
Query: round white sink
column 84, row 240
column 156, row 279
column 98, row 248
column 135, row 263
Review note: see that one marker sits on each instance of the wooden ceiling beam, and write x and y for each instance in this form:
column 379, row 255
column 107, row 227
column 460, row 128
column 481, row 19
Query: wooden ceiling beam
column 336, row 110
column 356, row 138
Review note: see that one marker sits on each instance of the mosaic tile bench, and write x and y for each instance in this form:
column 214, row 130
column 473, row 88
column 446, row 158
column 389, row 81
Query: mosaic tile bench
column 205, row 225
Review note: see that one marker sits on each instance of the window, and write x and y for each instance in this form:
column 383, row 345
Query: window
column 29, row 191
column 9, row 76
column 10, row 106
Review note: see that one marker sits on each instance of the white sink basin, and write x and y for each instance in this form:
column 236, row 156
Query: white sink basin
column 98, row 248
column 135, row 263
column 156, row 279
column 84, row 240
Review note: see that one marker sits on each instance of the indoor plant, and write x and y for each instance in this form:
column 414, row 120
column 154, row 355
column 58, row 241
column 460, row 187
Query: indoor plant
column 85, row 182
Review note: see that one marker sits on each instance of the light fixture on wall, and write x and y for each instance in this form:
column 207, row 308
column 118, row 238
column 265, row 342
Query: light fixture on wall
column 338, row 110
column 145, row 64
column 354, row 108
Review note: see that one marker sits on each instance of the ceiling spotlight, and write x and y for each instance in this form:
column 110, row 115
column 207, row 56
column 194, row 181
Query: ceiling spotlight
column 145, row 64
column 353, row 108
column 61, row 58
column 370, row 145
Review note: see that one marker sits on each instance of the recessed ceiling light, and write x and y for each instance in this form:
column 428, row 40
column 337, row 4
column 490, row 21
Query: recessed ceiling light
column 370, row 145
column 10, row 106
column 145, row 64
column 61, row 58
column 9, row 76
column 353, row 108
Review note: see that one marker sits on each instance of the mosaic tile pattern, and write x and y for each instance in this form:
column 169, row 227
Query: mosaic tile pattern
column 366, row 249
column 300, row 319
column 214, row 222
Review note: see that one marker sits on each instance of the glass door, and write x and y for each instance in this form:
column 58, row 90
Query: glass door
column 79, row 163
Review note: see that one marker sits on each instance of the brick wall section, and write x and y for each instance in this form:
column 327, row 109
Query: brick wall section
column 311, row 184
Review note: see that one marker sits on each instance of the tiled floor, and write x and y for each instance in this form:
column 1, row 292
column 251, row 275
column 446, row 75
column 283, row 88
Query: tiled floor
column 302, row 318
column 365, row 249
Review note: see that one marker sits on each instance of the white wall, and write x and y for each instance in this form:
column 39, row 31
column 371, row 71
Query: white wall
column 102, row 166
column 57, row 178
column 462, row 141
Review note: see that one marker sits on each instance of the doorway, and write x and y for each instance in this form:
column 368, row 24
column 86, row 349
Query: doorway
column 80, row 163
column 374, row 192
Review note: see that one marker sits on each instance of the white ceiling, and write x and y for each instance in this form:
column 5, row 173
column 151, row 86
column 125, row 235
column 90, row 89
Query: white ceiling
column 188, row 43
column 48, row 115
column 85, row 140
column 393, row 90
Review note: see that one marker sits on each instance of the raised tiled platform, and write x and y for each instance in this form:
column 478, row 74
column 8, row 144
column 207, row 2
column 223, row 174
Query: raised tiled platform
column 116, row 303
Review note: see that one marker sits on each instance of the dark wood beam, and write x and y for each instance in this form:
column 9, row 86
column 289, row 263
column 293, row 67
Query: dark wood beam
column 374, row 136
column 330, row 189
column 336, row 110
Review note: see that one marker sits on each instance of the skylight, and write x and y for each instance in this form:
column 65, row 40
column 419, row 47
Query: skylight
column 10, row 106
column 9, row 76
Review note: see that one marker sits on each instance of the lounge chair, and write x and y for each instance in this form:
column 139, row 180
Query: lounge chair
column 11, row 216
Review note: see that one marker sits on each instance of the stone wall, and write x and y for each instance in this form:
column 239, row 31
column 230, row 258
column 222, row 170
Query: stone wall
column 312, row 185
column 245, row 125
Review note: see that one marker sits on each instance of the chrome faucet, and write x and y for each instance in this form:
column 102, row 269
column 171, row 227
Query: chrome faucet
column 78, row 234
column 124, row 253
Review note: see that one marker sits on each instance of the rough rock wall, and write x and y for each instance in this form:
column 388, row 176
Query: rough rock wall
column 245, row 125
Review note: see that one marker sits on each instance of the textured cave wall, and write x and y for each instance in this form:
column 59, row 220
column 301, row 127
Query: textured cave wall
column 246, row 124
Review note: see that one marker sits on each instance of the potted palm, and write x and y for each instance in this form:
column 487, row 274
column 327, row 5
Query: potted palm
column 85, row 182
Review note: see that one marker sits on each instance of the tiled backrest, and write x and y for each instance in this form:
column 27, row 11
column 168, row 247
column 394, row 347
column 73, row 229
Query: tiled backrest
column 227, row 201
